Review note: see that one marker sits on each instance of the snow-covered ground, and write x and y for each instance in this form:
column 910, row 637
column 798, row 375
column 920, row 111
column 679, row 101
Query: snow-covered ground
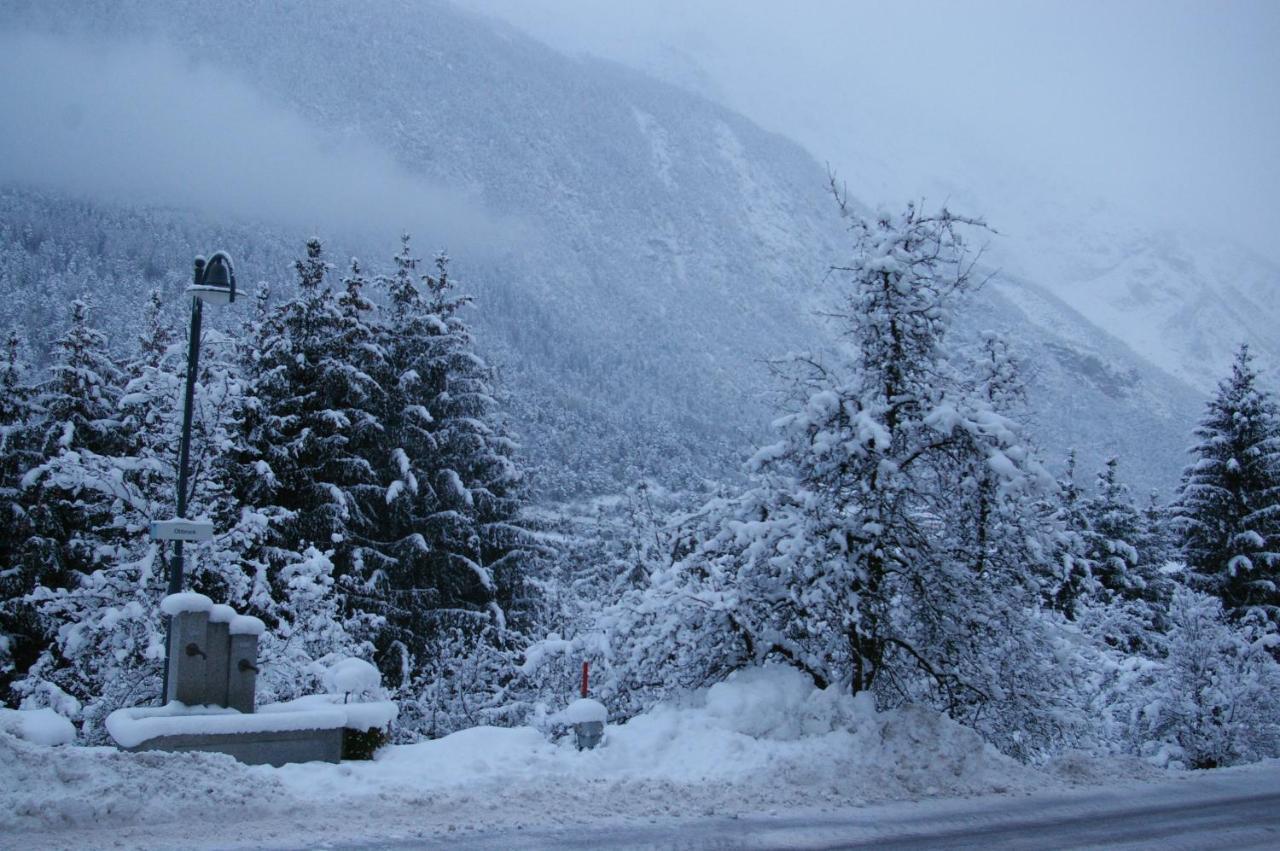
column 764, row 745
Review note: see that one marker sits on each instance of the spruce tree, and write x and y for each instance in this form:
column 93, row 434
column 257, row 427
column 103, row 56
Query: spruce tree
column 74, row 502
column 70, row 525
column 1113, row 527
column 19, row 429
column 1072, row 577
column 81, row 395
column 453, row 572
column 299, row 470
column 1155, row 543
column 363, row 375
column 1228, row 508
column 303, row 413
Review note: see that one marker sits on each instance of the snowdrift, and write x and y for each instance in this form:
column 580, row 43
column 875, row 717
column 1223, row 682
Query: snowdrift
column 764, row 741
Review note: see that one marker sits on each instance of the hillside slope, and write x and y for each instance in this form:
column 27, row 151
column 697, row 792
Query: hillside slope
column 663, row 245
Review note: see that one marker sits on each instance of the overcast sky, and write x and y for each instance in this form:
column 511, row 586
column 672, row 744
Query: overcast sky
column 1166, row 108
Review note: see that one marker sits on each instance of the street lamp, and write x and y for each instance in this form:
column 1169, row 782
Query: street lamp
column 214, row 282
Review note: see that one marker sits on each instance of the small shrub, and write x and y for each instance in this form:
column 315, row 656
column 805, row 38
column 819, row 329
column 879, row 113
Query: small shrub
column 363, row 744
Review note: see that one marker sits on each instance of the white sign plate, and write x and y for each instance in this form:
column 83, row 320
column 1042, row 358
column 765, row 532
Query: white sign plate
column 181, row 530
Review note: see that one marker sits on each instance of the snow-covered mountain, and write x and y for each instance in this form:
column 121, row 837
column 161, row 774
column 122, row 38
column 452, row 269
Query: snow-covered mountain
column 1176, row 281
column 1184, row 302
column 659, row 245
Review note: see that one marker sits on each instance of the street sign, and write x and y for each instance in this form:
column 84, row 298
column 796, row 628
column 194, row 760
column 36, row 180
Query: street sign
column 181, row 530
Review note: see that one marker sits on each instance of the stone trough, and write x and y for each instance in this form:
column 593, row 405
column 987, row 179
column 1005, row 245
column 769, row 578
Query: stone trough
column 210, row 701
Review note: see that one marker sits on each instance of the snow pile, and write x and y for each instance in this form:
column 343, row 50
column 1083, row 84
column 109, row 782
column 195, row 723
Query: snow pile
column 354, row 677
column 770, row 727
column 38, row 726
column 1081, row 768
column 582, row 711
column 765, row 738
column 102, row 787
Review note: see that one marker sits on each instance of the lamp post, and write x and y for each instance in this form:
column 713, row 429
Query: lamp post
column 214, row 282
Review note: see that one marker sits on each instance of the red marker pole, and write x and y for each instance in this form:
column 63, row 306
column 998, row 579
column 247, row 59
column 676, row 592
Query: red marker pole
column 585, row 676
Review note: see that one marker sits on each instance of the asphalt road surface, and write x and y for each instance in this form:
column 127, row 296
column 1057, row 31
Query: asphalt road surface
column 1213, row 810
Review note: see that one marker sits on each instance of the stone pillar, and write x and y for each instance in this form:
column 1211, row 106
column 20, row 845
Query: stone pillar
column 188, row 657
column 242, row 676
column 218, row 666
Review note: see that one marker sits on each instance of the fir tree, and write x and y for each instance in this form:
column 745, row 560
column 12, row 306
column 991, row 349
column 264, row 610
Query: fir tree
column 1228, row 508
column 74, row 502
column 19, row 441
column 303, row 414
column 80, row 397
column 69, row 525
column 1072, row 574
column 1156, row 546
column 453, row 570
column 1114, row 526
column 300, row 467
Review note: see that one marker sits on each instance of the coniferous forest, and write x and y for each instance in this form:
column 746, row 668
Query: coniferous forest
column 900, row 537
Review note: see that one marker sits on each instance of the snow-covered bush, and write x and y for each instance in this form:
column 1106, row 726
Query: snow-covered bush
column 310, row 631
column 1212, row 700
column 466, row 678
column 108, row 649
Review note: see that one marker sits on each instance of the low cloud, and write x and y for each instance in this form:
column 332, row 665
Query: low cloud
column 140, row 123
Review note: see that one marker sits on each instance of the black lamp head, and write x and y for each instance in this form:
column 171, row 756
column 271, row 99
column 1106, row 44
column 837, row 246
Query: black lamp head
column 216, row 277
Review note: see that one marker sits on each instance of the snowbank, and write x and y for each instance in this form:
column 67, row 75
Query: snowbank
column 765, row 738
column 764, row 741
column 79, row 787
column 38, row 726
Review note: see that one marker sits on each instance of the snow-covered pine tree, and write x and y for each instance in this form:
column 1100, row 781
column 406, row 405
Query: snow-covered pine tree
column 306, row 424
column 1156, row 546
column 1114, row 526
column 457, row 551
column 81, row 395
column 78, row 503
column 19, row 452
column 1129, row 598
column 1071, row 577
column 365, row 375
column 70, row 529
column 1228, row 508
